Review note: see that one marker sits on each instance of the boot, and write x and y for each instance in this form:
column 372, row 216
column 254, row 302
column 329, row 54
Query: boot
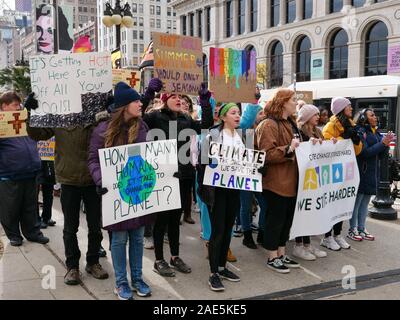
column 248, row 240
column 260, row 237
column 187, row 217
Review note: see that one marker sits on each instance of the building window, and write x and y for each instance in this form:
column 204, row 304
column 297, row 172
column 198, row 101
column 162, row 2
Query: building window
column 303, row 59
column 140, row 22
column 169, row 24
column 183, row 21
column 134, row 8
column 253, row 15
column 338, row 55
column 135, row 47
column 229, row 19
column 191, row 24
column 208, row 24
column 242, row 16
column 158, row 10
column 152, row 23
column 276, row 65
column 335, row 6
column 158, row 23
column 357, row 3
column 200, row 23
column 308, row 9
column 134, row 34
column 169, row 12
column 141, row 35
column 275, row 12
column 152, row 10
column 290, row 11
column 376, row 47
column 140, row 8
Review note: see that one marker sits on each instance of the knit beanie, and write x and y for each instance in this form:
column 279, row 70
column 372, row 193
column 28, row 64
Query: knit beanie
column 338, row 104
column 165, row 96
column 124, row 95
column 306, row 112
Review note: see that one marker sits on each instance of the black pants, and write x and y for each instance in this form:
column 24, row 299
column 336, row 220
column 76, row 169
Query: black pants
column 148, row 230
column 278, row 219
column 18, row 206
column 303, row 240
column 222, row 218
column 194, row 189
column 186, row 195
column 337, row 229
column 47, row 192
column 71, row 197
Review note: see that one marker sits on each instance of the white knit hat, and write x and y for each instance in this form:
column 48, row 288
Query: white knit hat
column 306, row 112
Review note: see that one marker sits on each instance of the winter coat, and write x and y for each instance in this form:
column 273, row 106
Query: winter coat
column 334, row 129
column 161, row 119
column 97, row 142
column 368, row 159
column 19, row 158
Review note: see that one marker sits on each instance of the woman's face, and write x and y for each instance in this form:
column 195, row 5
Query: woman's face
column 323, row 118
column 133, row 110
column 348, row 111
column 371, row 118
column 232, row 118
column 44, row 34
column 314, row 120
column 260, row 116
column 185, row 106
column 290, row 106
column 174, row 103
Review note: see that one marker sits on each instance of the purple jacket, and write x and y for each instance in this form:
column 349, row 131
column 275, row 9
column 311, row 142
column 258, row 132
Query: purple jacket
column 96, row 143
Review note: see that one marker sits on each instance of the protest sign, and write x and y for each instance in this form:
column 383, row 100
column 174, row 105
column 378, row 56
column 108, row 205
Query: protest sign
column 46, row 149
column 234, row 167
column 129, row 76
column 61, row 82
column 328, row 185
column 306, row 96
column 13, row 123
column 178, row 62
column 139, row 179
column 394, row 59
column 233, row 74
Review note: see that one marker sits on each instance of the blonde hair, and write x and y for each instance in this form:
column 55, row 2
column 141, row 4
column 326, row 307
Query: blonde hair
column 114, row 135
column 310, row 131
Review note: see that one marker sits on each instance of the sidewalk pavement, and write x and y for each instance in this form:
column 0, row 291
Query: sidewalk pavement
column 24, row 271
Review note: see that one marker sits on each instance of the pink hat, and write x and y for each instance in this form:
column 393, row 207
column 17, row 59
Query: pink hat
column 306, row 112
column 338, row 104
column 165, row 96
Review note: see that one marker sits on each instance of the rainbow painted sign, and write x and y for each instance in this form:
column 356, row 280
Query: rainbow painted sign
column 233, row 74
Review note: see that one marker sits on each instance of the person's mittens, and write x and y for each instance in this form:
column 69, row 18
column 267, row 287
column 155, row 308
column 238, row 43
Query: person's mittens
column 30, row 102
column 155, row 85
column 101, row 191
column 204, row 95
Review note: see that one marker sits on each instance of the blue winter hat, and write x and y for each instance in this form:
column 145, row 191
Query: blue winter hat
column 124, row 95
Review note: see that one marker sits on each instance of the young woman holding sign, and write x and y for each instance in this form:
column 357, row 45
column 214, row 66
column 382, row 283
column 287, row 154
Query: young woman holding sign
column 124, row 127
column 278, row 136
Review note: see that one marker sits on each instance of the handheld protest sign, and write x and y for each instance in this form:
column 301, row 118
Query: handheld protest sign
column 46, row 149
column 13, row 123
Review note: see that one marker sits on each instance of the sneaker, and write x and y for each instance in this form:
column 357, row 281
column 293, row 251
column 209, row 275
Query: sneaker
column 237, row 231
column 141, row 288
column 40, row 239
column 97, row 271
column 148, row 243
column 51, row 223
column 366, row 235
column 72, row 278
column 16, row 242
column 230, row 257
column 302, row 253
column 228, row 275
column 353, row 235
column 287, row 262
column 163, row 269
column 330, row 243
column 277, row 265
column 341, row 242
column 124, row 292
column 215, row 283
column 316, row 252
column 179, row 265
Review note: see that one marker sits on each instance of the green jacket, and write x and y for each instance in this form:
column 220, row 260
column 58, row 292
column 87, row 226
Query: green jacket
column 71, row 153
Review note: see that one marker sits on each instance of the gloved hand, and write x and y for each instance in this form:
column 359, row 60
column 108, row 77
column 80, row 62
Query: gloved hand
column 30, row 102
column 177, row 175
column 351, row 133
column 101, row 191
column 262, row 170
column 155, row 85
column 204, row 95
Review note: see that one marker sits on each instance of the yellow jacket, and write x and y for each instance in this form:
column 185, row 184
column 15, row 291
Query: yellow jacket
column 334, row 129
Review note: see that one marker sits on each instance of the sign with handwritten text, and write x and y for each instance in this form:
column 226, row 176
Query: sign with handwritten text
column 13, row 123
column 46, row 149
column 139, row 179
column 59, row 81
column 178, row 62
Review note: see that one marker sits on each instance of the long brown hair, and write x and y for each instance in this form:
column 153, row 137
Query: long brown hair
column 311, row 131
column 275, row 110
column 114, row 134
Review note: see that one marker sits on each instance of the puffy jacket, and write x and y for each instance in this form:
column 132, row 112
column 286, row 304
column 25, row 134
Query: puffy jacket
column 334, row 129
column 96, row 143
column 368, row 159
column 19, row 158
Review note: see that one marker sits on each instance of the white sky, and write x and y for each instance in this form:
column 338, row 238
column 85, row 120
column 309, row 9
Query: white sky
column 10, row 3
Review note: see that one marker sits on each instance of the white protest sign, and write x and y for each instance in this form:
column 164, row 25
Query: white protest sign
column 139, row 179
column 59, row 80
column 328, row 185
column 234, row 167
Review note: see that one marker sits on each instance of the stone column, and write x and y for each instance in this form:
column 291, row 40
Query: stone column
column 247, row 16
column 356, row 62
column 235, row 19
column 264, row 14
column 215, row 28
column 288, row 68
column 282, row 16
column 195, row 25
column 299, row 10
column 204, row 24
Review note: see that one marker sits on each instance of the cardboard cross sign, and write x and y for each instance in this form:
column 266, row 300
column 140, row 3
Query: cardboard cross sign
column 13, row 123
column 132, row 80
column 16, row 123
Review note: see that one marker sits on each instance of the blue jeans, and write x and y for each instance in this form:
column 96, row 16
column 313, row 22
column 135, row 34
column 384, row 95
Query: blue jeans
column 360, row 212
column 246, row 198
column 118, row 253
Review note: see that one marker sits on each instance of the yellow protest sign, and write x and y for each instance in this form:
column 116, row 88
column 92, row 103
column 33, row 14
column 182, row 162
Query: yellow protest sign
column 129, row 76
column 13, row 123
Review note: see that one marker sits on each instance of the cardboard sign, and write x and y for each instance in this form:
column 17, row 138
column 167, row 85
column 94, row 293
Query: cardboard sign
column 328, row 185
column 178, row 62
column 46, row 149
column 139, row 179
column 61, row 81
column 234, row 168
column 306, row 96
column 13, row 123
column 394, row 59
column 129, row 76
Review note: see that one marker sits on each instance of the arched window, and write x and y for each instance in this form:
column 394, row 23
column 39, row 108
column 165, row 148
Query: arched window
column 303, row 59
column 376, row 47
column 338, row 55
column 205, row 68
column 276, row 65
